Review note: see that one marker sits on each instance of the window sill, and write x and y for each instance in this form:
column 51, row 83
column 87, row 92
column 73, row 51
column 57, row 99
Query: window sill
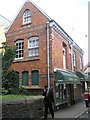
column 24, row 24
column 29, row 59
column 35, row 87
column 27, row 87
column 33, row 58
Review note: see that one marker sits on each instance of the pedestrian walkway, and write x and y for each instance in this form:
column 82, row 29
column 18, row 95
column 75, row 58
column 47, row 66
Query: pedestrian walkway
column 71, row 112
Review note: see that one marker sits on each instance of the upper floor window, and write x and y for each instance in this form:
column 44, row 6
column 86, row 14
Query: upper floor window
column 64, row 56
column 26, row 17
column 74, row 59
column 80, row 63
column 33, row 47
column 19, row 49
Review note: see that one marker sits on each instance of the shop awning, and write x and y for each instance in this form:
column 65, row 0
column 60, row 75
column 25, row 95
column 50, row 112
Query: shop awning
column 87, row 77
column 82, row 76
column 66, row 77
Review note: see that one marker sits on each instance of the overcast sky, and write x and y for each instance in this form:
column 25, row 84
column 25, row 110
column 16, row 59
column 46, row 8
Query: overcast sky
column 71, row 15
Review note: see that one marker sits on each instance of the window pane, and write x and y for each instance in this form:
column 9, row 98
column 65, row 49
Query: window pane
column 33, row 52
column 16, row 46
column 29, row 19
column 37, row 42
column 33, row 43
column 36, row 51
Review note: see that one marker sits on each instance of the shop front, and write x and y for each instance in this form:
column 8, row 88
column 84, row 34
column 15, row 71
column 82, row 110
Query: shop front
column 65, row 86
column 84, row 79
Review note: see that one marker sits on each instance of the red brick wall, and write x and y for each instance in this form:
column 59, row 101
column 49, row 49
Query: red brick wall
column 37, row 27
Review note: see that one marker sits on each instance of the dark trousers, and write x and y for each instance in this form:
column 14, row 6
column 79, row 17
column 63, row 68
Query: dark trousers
column 48, row 105
column 87, row 103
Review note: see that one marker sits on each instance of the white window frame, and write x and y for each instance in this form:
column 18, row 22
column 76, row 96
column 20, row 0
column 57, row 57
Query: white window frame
column 64, row 58
column 33, row 47
column 80, row 63
column 19, row 50
column 27, row 17
column 74, row 59
column 70, row 49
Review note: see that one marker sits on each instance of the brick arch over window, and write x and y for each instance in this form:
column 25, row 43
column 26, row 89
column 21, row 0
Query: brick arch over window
column 25, row 78
column 26, row 16
column 35, row 77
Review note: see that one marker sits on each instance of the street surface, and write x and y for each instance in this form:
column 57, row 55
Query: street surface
column 74, row 112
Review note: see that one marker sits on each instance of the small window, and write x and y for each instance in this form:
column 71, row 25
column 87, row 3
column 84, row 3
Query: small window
column 19, row 49
column 33, row 47
column 26, row 17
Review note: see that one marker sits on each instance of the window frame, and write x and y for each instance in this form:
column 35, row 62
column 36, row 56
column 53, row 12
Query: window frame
column 24, row 82
column 64, row 57
column 18, row 50
column 33, row 82
column 74, row 59
column 27, row 16
column 33, row 47
column 80, row 63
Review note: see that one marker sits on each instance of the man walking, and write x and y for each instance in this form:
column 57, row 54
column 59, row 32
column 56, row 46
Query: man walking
column 48, row 101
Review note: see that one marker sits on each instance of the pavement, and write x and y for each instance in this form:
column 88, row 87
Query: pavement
column 72, row 111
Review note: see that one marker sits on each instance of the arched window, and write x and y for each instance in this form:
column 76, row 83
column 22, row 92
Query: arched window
column 25, row 78
column 27, row 17
column 35, row 77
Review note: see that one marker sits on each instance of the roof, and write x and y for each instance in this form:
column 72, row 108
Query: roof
column 4, row 21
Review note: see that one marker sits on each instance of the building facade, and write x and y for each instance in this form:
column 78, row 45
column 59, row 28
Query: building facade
column 45, row 54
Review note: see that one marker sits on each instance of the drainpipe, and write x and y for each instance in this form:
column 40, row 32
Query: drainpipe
column 72, row 65
column 48, row 54
column 72, row 55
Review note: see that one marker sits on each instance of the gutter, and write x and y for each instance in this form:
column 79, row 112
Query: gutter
column 47, row 24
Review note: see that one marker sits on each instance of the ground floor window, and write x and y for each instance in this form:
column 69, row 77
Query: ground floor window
column 25, row 78
column 35, row 77
column 60, row 92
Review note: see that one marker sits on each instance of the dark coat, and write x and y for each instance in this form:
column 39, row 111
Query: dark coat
column 48, row 99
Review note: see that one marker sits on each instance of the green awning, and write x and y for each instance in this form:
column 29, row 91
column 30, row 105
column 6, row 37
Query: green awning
column 82, row 76
column 87, row 77
column 66, row 77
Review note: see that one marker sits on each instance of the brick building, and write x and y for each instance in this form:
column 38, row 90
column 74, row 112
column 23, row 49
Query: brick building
column 45, row 52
